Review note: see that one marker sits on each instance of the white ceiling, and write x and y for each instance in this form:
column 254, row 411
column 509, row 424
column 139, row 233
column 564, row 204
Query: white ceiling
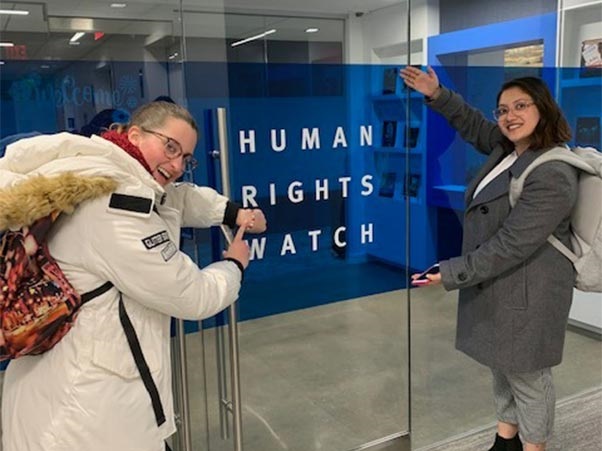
column 153, row 20
column 160, row 10
column 201, row 17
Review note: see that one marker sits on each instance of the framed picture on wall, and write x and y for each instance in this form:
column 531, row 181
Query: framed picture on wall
column 591, row 58
column 523, row 61
column 524, row 56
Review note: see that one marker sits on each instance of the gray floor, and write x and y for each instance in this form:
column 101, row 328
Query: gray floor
column 578, row 427
column 335, row 377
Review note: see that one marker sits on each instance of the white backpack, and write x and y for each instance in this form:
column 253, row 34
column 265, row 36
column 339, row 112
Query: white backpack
column 586, row 219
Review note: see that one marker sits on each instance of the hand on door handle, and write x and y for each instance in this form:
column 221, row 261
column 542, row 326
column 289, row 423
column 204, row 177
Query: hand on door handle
column 239, row 249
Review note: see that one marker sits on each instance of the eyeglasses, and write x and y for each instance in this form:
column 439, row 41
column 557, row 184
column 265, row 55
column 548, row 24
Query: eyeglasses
column 173, row 149
column 518, row 107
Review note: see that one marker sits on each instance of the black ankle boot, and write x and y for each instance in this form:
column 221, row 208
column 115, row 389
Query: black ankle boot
column 514, row 444
column 507, row 444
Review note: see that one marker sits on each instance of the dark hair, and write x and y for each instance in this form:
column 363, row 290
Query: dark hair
column 164, row 99
column 552, row 128
column 103, row 121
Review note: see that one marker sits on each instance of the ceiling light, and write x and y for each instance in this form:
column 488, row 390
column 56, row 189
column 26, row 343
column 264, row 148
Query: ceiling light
column 6, row 44
column 1, row 63
column 118, row 5
column 76, row 37
column 312, row 30
column 253, row 38
column 16, row 12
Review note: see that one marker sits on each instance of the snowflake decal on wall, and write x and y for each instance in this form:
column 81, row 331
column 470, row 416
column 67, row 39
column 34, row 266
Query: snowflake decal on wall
column 127, row 84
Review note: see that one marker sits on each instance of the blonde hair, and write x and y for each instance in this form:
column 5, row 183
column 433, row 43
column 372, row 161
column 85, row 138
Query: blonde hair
column 154, row 114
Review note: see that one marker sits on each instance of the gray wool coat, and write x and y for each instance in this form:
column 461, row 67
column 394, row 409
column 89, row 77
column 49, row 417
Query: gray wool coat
column 515, row 288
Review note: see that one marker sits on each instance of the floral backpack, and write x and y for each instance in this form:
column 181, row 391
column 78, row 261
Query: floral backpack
column 37, row 303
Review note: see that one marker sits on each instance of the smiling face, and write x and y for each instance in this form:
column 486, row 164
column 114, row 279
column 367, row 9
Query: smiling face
column 152, row 142
column 520, row 118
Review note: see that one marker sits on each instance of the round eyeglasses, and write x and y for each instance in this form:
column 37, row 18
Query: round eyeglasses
column 173, row 149
column 518, row 107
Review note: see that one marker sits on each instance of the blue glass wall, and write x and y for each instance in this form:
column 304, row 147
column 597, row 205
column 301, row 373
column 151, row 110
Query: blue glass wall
column 308, row 145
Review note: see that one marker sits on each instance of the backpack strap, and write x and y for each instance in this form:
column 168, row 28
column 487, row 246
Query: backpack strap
column 141, row 364
column 87, row 297
column 555, row 154
column 563, row 249
column 135, row 348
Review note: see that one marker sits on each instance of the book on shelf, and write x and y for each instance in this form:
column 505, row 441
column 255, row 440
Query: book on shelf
column 411, row 185
column 411, row 136
column 591, row 58
column 588, row 132
column 390, row 81
column 387, row 184
column 389, row 133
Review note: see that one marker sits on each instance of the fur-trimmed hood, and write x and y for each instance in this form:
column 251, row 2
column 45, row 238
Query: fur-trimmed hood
column 56, row 172
column 36, row 197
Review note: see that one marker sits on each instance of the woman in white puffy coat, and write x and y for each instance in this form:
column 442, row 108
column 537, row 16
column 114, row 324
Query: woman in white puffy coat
column 86, row 393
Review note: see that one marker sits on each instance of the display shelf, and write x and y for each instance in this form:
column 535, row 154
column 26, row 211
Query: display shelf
column 399, row 171
column 580, row 97
column 393, row 168
column 581, row 21
column 580, row 87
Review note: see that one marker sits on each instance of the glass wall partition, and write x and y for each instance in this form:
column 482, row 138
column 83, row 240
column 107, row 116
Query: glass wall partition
column 316, row 123
column 478, row 46
column 361, row 185
column 315, row 118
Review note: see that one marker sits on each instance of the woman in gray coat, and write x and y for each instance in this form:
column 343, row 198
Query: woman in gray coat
column 515, row 288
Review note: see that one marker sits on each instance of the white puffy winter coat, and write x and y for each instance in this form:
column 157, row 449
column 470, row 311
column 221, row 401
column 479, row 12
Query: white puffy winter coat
column 86, row 393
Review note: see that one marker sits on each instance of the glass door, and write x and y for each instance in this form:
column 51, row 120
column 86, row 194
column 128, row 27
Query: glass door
column 321, row 136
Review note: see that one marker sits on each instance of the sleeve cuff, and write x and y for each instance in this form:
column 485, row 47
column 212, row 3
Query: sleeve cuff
column 239, row 265
column 230, row 214
column 441, row 100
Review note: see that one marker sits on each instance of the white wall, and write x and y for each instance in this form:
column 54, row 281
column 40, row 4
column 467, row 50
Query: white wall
column 587, row 311
column 579, row 24
column 381, row 36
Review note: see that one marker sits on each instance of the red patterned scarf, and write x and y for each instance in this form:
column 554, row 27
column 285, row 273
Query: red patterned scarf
column 121, row 139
